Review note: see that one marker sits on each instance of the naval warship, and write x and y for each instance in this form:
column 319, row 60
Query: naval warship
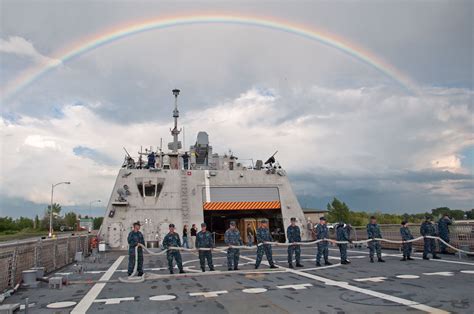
column 186, row 187
column 73, row 275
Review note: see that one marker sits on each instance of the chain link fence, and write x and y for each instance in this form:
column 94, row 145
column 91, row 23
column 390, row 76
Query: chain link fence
column 49, row 253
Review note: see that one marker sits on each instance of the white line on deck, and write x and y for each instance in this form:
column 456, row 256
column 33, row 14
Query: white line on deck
column 89, row 298
column 348, row 286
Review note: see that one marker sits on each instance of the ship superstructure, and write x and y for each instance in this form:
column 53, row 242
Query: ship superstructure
column 188, row 187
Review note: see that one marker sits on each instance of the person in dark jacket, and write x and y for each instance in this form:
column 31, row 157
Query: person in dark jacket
column 406, row 236
column 293, row 235
column 373, row 232
column 232, row 238
column 343, row 233
column 172, row 240
column 135, row 237
column 185, row 237
column 443, row 231
column 193, row 237
column 263, row 235
column 427, row 228
column 322, row 232
column 205, row 240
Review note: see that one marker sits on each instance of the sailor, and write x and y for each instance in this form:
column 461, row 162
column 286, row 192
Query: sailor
column 232, row 238
column 172, row 240
column 427, row 228
column 151, row 160
column 185, row 157
column 263, row 235
column 322, row 232
column 135, row 237
column 406, row 246
column 373, row 232
column 343, row 233
column 294, row 235
column 443, row 230
column 204, row 240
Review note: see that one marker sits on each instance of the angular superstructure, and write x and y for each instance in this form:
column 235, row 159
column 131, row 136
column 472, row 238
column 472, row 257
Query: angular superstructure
column 189, row 187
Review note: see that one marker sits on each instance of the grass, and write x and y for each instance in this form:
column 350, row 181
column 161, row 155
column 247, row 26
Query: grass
column 21, row 235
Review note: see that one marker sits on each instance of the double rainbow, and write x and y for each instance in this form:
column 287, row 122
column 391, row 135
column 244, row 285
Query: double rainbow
column 118, row 33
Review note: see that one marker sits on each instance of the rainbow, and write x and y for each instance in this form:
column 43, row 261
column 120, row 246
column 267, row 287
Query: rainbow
column 30, row 75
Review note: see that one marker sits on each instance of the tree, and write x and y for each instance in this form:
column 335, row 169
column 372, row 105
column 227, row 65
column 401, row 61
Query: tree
column 23, row 223
column 98, row 222
column 37, row 224
column 338, row 211
column 470, row 214
column 57, row 221
column 70, row 219
column 440, row 211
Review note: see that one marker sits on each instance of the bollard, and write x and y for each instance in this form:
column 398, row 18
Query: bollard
column 29, row 278
column 39, row 272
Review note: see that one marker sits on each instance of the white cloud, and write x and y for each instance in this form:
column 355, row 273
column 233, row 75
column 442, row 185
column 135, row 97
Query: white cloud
column 351, row 138
column 22, row 47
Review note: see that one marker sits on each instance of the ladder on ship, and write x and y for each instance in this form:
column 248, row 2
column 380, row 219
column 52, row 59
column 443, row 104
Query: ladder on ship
column 184, row 198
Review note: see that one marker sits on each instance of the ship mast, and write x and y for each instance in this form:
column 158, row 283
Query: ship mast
column 175, row 145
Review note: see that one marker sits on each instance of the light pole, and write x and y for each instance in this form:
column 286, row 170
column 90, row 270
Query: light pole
column 51, row 209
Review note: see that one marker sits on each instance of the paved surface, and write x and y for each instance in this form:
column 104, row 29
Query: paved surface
column 361, row 287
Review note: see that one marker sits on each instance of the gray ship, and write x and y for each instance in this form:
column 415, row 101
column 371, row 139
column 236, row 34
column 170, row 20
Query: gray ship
column 78, row 275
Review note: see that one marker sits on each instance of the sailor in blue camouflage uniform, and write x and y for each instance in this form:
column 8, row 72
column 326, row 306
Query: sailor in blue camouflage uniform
column 232, row 237
column 406, row 236
column 343, row 233
column 172, row 240
column 373, row 232
column 204, row 240
column 293, row 235
column 443, row 231
column 322, row 232
column 263, row 235
column 135, row 237
column 428, row 228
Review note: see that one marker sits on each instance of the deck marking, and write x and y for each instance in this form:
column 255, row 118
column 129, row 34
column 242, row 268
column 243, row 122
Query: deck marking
column 254, row 290
column 60, row 305
column 370, row 279
column 208, row 294
column 114, row 300
column 345, row 285
column 301, row 286
column 89, row 298
column 164, row 297
column 467, row 271
column 440, row 273
column 322, row 267
column 408, row 276
column 208, row 188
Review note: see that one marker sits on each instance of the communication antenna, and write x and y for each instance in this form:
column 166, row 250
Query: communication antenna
column 175, row 145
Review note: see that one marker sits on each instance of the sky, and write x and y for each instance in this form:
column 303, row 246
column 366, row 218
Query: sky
column 394, row 142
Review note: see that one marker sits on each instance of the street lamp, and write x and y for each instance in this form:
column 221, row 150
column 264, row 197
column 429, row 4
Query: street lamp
column 51, row 209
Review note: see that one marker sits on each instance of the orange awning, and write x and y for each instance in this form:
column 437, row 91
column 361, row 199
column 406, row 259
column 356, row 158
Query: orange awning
column 241, row 205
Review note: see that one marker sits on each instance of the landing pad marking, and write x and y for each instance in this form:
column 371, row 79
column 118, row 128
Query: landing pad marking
column 89, row 298
column 60, row 305
column 370, row 279
column 114, row 300
column 408, row 276
column 164, row 297
column 209, row 294
column 254, row 290
column 441, row 273
column 301, row 286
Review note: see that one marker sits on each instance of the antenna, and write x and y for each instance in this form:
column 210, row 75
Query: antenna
column 175, row 145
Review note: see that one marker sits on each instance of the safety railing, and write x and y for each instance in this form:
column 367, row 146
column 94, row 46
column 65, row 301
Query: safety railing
column 461, row 235
column 49, row 253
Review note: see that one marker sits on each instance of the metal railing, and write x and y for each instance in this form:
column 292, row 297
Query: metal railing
column 461, row 235
column 49, row 253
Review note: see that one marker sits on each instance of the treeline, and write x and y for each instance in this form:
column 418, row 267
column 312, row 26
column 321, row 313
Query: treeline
column 340, row 211
column 68, row 221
